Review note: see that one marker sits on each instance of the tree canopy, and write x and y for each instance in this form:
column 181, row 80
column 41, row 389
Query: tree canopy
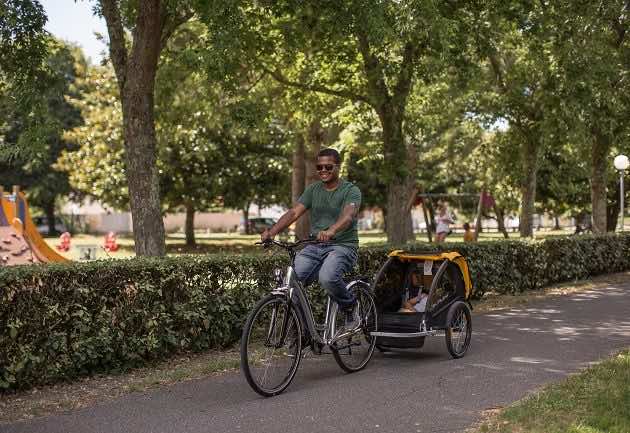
column 214, row 103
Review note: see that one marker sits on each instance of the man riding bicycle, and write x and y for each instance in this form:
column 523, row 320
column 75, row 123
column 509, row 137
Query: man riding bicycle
column 334, row 203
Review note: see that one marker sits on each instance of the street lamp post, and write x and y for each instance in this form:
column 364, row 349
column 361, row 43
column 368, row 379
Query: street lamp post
column 621, row 164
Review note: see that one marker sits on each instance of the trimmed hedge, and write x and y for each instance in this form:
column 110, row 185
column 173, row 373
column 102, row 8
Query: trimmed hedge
column 66, row 320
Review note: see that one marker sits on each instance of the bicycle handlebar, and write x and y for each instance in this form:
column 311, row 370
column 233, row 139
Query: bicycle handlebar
column 288, row 245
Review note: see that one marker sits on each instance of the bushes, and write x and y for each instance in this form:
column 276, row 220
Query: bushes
column 61, row 321
column 66, row 320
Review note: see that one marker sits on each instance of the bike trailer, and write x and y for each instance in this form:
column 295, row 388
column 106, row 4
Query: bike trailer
column 441, row 286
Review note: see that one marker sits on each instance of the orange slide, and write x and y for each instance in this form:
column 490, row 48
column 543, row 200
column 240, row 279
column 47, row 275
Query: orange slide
column 20, row 242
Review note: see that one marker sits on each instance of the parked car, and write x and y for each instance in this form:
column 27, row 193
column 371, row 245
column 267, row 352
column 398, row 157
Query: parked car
column 41, row 223
column 259, row 224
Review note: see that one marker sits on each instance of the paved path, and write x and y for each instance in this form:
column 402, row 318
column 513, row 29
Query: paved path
column 513, row 351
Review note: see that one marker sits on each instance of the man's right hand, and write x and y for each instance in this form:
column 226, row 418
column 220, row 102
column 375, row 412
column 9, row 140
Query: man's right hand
column 266, row 236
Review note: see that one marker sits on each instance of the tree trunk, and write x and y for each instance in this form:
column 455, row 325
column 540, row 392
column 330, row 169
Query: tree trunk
column 49, row 209
column 314, row 142
column 556, row 221
column 612, row 210
column 399, row 228
column 135, row 71
column 246, row 226
column 500, row 213
column 298, row 185
column 431, row 211
column 400, row 165
column 612, row 215
column 599, row 165
column 298, row 175
column 427, row 221
column 479, row 215
column 384, row 213
column 529, row 160
column 311, row 143
column 189, row 228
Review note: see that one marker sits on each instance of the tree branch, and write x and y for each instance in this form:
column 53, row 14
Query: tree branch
column 620, row 30
column 279, row 77
column 117, row 46
column 405, row 78
column 170, row 21
column 255, row 83
column 498, row 72
column 373, row 70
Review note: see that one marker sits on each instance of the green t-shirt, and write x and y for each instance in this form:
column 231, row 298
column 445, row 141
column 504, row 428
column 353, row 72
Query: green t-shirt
column 326, row 207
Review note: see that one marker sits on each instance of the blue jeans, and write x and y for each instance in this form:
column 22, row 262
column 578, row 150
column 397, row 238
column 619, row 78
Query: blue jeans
column 328, row 263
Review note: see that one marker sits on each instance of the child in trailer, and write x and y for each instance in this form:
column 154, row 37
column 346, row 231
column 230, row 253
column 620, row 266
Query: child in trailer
column 415, row 304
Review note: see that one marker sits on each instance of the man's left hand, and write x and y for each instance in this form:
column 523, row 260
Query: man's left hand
column 325, row 235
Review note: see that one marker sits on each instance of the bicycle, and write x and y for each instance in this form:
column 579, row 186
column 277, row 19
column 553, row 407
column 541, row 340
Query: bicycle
column 281, row 327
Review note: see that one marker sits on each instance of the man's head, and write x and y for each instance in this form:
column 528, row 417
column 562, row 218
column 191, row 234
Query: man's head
column 328, row 162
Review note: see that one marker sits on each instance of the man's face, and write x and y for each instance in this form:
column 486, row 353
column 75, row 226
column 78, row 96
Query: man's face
column 327, row 169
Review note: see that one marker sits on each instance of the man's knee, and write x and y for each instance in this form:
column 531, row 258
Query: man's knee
column 302, row 267
column 330, row 280
column 305, row 265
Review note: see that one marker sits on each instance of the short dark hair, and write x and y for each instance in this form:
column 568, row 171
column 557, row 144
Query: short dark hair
column 466, row 226
column 330, row 152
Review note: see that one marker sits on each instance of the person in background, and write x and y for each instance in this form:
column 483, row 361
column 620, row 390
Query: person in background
column 469, row 235
column 443, row 220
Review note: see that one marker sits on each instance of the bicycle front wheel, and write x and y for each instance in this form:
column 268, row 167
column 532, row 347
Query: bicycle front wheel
column 353, row 352
column 271, row 346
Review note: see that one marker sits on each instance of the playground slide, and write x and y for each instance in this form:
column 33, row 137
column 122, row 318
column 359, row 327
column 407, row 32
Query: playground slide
column 16, row 215
column 14, row 250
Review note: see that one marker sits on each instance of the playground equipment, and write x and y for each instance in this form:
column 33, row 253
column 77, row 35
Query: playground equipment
column 110, row 244
column 20, row 242
column 64, row 242
column 483, row 201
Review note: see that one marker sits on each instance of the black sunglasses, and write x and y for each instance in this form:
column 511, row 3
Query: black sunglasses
column 327, row 167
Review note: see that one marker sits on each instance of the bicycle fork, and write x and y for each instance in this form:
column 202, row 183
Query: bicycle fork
column 271, row 332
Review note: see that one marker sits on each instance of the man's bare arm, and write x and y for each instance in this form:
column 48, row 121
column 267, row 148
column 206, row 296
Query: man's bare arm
column 348, row 214
column 285, row 221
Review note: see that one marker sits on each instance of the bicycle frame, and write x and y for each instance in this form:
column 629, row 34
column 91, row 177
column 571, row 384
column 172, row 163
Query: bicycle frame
column 293, row 290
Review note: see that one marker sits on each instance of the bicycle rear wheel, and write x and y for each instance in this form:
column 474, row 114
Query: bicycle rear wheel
column 352, row 353
column 269, row 359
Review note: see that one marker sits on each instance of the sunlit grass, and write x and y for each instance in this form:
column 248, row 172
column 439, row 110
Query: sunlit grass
column 234, row 243
column 595, row 401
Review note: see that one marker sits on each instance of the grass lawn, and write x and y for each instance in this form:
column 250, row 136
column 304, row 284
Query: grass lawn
column 214, row 243
column 230, row 243
column 596, row 400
